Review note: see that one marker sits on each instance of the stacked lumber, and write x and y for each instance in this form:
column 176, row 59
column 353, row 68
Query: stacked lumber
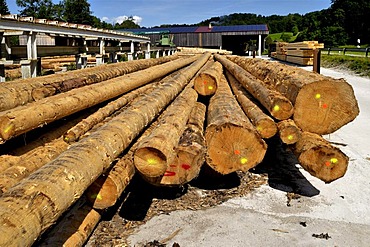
column 300, row 53
column 197, row 50
column 84, row 145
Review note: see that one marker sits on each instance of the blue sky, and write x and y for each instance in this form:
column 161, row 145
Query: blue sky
column 150, row 13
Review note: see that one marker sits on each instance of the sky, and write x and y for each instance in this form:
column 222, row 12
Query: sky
column 149, row 13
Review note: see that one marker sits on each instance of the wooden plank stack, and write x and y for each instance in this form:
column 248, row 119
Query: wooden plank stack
column 300, row 53
column 159, row 128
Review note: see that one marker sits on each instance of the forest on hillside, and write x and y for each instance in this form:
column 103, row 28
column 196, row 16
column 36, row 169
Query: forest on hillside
column 343, row 23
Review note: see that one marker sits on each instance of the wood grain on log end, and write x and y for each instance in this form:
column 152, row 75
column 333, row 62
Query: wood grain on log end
column 150, row 162
column 289, row 132
column 325, row 106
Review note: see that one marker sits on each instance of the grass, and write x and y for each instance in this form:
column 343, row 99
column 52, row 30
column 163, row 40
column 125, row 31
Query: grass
column 359, row 65
column 277, row 36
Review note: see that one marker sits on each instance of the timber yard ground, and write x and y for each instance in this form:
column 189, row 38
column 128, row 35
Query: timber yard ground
column 287, row 208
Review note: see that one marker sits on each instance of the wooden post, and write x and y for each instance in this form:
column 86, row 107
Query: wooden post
column 316, row 60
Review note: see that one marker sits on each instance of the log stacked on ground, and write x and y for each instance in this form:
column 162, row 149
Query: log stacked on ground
column 18, row 120
column 190, row 153
column 20, row 92
column 49, row 191
column 322, row 104
column 207, row 80
column 320, row 158
column 75, row 227
column 156, row 152
column 288, row 131
column 278, row 105
column 264, row 124
column 232, row 141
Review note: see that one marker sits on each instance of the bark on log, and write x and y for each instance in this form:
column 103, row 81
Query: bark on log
column 75, row 227
column 264, row 124
column 278, row 105
column 16, row 93
column 155, row 152
column 7, row 161
column 206, row 82
column 320, row 158
column 190, row 153
column 289, row 132
column 322, row 104
column 49, row 191
column 18, row 121
column 30, row 162
column 86, row 124
column 232, row 141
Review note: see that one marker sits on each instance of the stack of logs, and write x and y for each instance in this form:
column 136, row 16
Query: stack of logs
column 104, row 124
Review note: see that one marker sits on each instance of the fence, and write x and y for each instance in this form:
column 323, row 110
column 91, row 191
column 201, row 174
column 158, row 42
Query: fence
column 361, row 52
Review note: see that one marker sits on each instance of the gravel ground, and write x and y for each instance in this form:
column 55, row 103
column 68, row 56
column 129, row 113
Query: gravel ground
column 278, row 203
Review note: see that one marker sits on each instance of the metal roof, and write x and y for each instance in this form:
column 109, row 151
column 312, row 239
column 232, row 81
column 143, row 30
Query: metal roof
column 202, row 29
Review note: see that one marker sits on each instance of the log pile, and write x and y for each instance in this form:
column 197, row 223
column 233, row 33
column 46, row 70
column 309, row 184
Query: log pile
column 87, row 143
column 300, row 53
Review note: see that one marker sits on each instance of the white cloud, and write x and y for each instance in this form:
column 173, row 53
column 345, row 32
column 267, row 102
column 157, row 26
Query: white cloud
column 136, row 19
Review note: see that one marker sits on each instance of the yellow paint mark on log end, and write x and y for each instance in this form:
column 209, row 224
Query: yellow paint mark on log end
column 97, row 196
column 290, row 137
column 8, row 128
column 243, row 161
column 259, row 128
column 210, row 87
column 276, row 108
column 317, row 96
column 152, row 161
column 334, row 160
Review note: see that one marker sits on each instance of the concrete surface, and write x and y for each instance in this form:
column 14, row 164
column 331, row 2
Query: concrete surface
column 340, row 209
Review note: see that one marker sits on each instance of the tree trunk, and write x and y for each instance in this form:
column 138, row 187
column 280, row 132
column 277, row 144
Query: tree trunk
column 207, row 80
column 7, row 161
column 49, row 191
column 232, row 141
column 289, row 132
column 264, row 124
column 190, row 153
column 74, row 133
column 75, row 227
column 30, row 162
column 156, row 152
column 18, row 121
column 20, row 92
column 320, row 158
column 322, row 104
column 278, row 105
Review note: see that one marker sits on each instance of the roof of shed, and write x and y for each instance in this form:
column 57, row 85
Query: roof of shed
column 202, row 29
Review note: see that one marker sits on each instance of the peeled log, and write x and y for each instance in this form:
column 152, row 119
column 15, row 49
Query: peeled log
column 52, row 189
column 155, row 152
column 74, row 133
column 289, row 132
column 19, row 92
column 18, row 121
column 7, row 161
column 232, row 141
column 207, row 80
column 322, row 104
column 278, row 105
column 264, row 125
column 190, row 153
column 320, row 158
column 75, row 227
column 30, row 162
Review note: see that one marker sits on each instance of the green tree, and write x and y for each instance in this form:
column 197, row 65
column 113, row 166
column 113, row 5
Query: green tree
column 4, row 8
column 77, row 11
column 127, row 24
column 36, row 8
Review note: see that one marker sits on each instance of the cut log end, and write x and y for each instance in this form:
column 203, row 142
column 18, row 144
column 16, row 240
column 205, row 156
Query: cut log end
column 266, row 128
column 232, row 148
column 289, row 135
column 7, row 129
column 281, row 108
column 325, row 106
column 325, row 163
column 150, row 162
column 104, row 196
column 205, row 85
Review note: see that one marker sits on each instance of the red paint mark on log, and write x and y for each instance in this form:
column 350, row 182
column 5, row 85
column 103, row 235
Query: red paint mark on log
column 169, row 174
column 237, row 152
column 327, row 163
column 186, row 166
column 324, row 106
column 205, row 82
column 172, row 165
